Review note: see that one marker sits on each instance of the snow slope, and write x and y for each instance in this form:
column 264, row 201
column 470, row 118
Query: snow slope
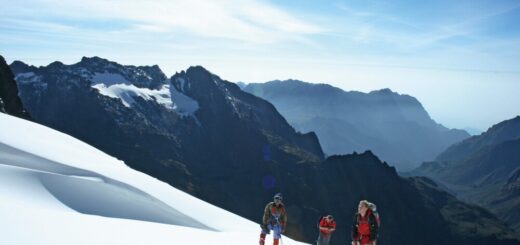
column 56, row 189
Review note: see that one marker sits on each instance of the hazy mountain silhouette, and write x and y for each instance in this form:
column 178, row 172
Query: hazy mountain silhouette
column 395, row 127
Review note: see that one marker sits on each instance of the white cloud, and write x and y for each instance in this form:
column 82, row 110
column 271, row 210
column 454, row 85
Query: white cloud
column 242, row 20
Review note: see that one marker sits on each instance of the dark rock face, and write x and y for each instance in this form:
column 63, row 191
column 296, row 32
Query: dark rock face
column 395, row 127
column 229, row 148
column 483, row 170
column 10, row 103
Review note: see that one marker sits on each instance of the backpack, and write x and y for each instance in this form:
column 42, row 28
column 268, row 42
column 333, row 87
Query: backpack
column 373, row 208
column 320, row 219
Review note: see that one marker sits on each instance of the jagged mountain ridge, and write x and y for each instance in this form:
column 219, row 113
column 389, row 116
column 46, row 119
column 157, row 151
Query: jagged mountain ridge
column 396, row 127
column 140, row 76
column 232, row 149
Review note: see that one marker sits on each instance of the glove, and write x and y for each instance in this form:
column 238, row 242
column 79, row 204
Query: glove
column 283, row 230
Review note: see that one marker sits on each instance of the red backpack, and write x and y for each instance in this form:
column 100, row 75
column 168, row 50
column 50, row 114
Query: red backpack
column 320, row 219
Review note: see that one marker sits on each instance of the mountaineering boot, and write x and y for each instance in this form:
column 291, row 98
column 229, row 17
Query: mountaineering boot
column 275, row 241
column 262, row 239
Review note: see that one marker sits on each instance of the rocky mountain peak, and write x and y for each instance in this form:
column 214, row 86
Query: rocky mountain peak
column 20, row 67
column 96, row 70
column 200, row 83
column 56, row 65
column 94, row 61
column 509, row 129
column 384, row 91
column 9, row 101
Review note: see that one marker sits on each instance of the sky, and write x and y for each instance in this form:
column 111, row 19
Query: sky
column 460, row 58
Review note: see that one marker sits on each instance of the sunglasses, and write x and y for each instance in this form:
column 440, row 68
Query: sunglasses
column 278, row 199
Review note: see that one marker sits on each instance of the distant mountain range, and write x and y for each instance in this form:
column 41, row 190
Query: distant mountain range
column 207, row 137
column 395, row 127
column 484, row 169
